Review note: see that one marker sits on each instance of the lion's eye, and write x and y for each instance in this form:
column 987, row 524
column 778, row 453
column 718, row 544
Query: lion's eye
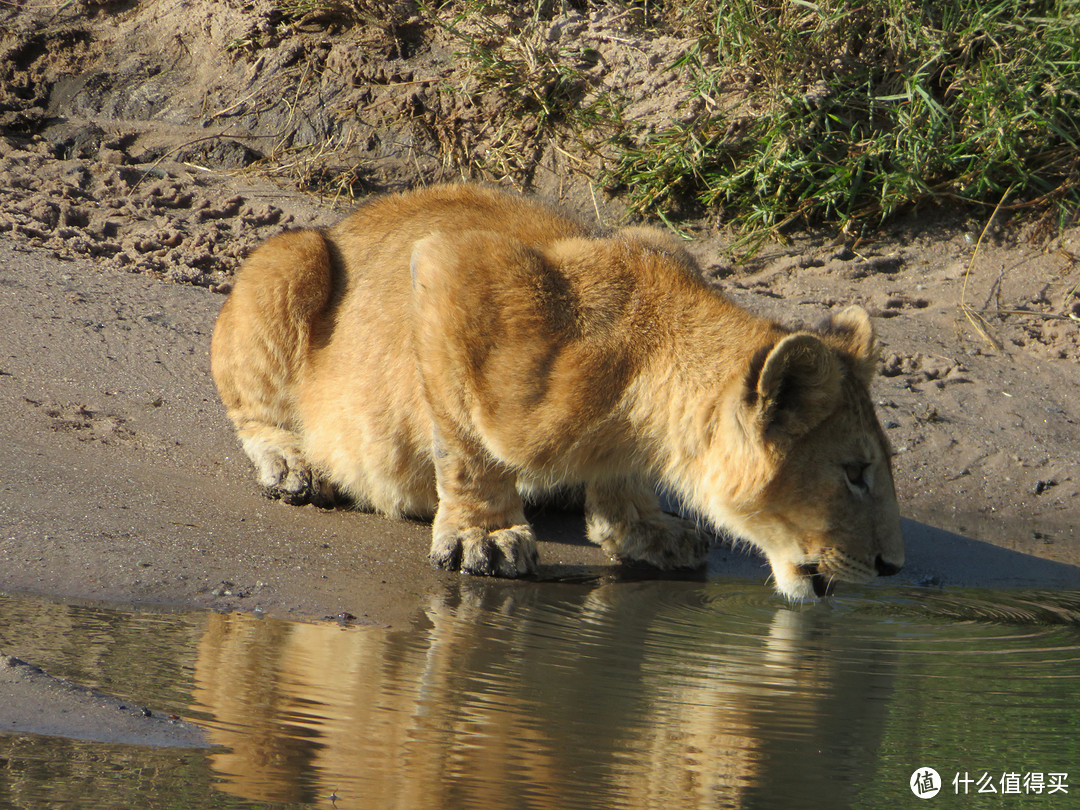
column 856, row 475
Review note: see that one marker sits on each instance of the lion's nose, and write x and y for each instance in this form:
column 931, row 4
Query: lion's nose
column 885, row 568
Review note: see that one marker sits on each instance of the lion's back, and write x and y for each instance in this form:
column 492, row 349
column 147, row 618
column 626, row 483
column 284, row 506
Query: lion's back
column 362, row 406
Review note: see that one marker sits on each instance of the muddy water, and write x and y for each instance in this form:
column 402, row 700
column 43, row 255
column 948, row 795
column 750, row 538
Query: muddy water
column 593, row 693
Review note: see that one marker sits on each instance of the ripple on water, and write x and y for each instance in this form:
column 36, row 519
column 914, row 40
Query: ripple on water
column 600, row 693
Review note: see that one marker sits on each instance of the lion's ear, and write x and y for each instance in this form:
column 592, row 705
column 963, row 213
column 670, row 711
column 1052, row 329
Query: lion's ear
column 798, row 385
column 852, row 332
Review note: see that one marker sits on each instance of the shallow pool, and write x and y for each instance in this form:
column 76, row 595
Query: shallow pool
column 597, row 692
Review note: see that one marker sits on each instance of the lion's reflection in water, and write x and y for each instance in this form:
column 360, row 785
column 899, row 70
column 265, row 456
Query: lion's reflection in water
column 615, row 694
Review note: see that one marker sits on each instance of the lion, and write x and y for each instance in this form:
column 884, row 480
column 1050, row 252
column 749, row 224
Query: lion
column 443, row 352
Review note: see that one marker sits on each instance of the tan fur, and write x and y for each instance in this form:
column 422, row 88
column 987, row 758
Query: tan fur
column 442, row 350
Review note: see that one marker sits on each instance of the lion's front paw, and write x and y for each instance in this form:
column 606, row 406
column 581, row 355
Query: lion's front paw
column 500, row 553
column 664, row 541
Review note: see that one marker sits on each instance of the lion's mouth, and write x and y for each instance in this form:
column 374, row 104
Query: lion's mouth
column 823, row 585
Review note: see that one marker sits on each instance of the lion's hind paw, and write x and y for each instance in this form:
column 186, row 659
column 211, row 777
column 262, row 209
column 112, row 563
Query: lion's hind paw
column 285, row 474
column 301, row 486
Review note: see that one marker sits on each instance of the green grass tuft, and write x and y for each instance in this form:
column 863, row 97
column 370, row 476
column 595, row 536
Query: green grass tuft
column 849, row 113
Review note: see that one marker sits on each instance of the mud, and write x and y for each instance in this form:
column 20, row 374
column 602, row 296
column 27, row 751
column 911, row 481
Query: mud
column 33, row 699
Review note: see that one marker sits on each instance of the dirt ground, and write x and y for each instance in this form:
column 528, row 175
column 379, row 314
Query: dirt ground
column 144, row 148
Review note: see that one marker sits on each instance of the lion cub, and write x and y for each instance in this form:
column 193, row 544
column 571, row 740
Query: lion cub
column 443, row 350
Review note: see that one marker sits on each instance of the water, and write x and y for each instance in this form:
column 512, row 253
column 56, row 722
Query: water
column 597, row 693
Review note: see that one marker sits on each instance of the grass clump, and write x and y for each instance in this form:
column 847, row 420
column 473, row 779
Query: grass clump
column 531, row 91
column 850, row 112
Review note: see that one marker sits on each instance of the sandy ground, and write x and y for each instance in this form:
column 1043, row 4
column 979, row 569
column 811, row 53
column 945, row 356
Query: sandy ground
column 120, row 225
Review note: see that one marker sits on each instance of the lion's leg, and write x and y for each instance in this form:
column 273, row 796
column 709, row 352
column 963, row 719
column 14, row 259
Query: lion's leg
column 623, row 517
column 480, row 527
column 257, row 354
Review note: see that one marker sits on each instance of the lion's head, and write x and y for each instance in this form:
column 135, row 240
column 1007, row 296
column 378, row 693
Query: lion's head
column 819, row 499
